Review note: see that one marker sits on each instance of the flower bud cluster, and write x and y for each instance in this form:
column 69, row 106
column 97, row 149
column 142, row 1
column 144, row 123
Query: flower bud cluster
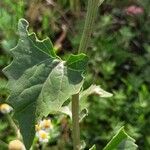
column 43, row 129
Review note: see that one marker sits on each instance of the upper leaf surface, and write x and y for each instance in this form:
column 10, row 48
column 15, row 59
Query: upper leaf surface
column 121, row 141
column 77, row 62
column 40, row 82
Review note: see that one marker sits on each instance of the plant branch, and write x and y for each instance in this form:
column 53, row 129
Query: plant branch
column 89, row 24
column 75, row 122
column 88, row 28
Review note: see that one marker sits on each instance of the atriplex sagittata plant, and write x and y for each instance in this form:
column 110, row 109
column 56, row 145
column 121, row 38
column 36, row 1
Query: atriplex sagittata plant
column 40, row 83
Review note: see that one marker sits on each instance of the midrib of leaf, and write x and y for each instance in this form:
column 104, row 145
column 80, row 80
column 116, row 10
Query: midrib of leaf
column 62, row 75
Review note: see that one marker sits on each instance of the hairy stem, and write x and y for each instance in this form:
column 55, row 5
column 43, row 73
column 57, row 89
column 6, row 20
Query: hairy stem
column 88, row 28
column 89, row 24
column 75, row 6
column 75, row 122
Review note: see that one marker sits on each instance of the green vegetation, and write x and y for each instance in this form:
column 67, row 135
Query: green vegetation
column 118, row 52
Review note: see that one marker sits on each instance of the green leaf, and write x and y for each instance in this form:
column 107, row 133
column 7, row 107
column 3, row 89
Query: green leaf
column 83, row 114
column 66, row 110
column 82, row 145
column 121, row 141
column 93, row 147
column 100, row 2
column 40, row 81
column 93, row 89
column 77, row 62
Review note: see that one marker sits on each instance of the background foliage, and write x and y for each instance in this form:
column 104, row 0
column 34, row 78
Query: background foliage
column 119, row 61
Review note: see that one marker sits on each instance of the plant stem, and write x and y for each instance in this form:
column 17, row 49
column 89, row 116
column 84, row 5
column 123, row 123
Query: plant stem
column 89, row 23
column 87, row 31
column 13, row 125
column 75, row 6
column 75, row 122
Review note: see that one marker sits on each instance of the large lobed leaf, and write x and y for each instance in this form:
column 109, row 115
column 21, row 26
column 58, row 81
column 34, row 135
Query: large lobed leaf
column 40, row 82
column 121, row 141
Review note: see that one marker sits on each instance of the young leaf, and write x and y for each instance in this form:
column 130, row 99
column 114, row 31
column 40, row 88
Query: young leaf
column 83, row 114
column 93, row 147
column 40, row 82
column 93, row 89
column 66, row 110
column 77, row 62
column 121, row 141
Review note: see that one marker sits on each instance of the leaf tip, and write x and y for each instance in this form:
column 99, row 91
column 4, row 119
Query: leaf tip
column 24, row 22
column 22, row 27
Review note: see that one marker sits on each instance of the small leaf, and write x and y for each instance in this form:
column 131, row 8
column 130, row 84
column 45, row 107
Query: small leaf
column 121, row 141
column 77, row 62
column 66, row 110
column 100, row 2
column 82, row 145
column 40, row 81
column 83, row 114
column 95, row 89
column 93, row 147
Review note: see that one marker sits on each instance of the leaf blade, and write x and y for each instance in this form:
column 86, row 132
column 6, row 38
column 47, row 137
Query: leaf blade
column 121, row 141
column 40, row 81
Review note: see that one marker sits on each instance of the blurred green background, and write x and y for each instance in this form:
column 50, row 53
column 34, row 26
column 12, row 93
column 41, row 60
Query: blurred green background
column 119, row 54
